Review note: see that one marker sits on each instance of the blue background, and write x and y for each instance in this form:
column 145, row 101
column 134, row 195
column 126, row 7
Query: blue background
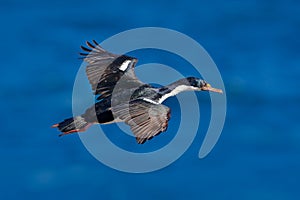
column 255, row 44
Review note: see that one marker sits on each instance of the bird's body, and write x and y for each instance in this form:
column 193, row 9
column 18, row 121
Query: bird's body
column 122, row 97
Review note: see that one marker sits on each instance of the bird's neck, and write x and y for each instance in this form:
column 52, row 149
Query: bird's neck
column 174, row 89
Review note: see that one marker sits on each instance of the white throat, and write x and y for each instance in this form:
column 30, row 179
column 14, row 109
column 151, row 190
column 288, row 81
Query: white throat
column 177, row 90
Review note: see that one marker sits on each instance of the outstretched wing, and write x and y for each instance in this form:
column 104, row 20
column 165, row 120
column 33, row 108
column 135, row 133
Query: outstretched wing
column 145, row 119
column 105, row 69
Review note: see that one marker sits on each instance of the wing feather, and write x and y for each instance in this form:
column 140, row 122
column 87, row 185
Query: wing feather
column 145, row 119
column 104, row 69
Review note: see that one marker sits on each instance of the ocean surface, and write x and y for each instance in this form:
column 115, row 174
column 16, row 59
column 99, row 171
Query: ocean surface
column 255, row 45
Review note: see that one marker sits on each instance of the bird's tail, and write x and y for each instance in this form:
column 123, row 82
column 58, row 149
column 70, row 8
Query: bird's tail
column 72, row 125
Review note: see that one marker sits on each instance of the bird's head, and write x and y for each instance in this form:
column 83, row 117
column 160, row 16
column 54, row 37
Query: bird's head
column 199, row 84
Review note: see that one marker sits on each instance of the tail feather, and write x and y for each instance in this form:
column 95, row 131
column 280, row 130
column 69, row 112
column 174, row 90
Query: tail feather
column 71, row 125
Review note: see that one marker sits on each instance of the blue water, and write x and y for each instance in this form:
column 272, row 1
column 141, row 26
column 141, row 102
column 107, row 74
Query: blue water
column 256, row 46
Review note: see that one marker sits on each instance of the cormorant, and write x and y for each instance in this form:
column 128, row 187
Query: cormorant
column 122, row 97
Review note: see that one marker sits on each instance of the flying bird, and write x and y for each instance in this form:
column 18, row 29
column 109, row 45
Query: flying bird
column 122, row 97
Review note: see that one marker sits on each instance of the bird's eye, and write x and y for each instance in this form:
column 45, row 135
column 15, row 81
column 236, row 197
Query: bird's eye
column 203, row 83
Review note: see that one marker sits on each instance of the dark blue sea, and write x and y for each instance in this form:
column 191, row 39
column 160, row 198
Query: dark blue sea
column 255, row 45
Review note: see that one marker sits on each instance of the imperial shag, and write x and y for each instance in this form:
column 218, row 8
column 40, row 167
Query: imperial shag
column 122, row 97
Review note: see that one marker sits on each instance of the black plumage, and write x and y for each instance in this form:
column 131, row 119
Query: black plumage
column 122, row 97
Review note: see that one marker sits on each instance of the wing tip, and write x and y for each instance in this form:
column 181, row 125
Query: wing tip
column 85, row 49
column 141, row 140
column 89, row 44
column 96, row 43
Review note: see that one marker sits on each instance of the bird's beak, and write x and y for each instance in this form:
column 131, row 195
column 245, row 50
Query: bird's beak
column 211, row 89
